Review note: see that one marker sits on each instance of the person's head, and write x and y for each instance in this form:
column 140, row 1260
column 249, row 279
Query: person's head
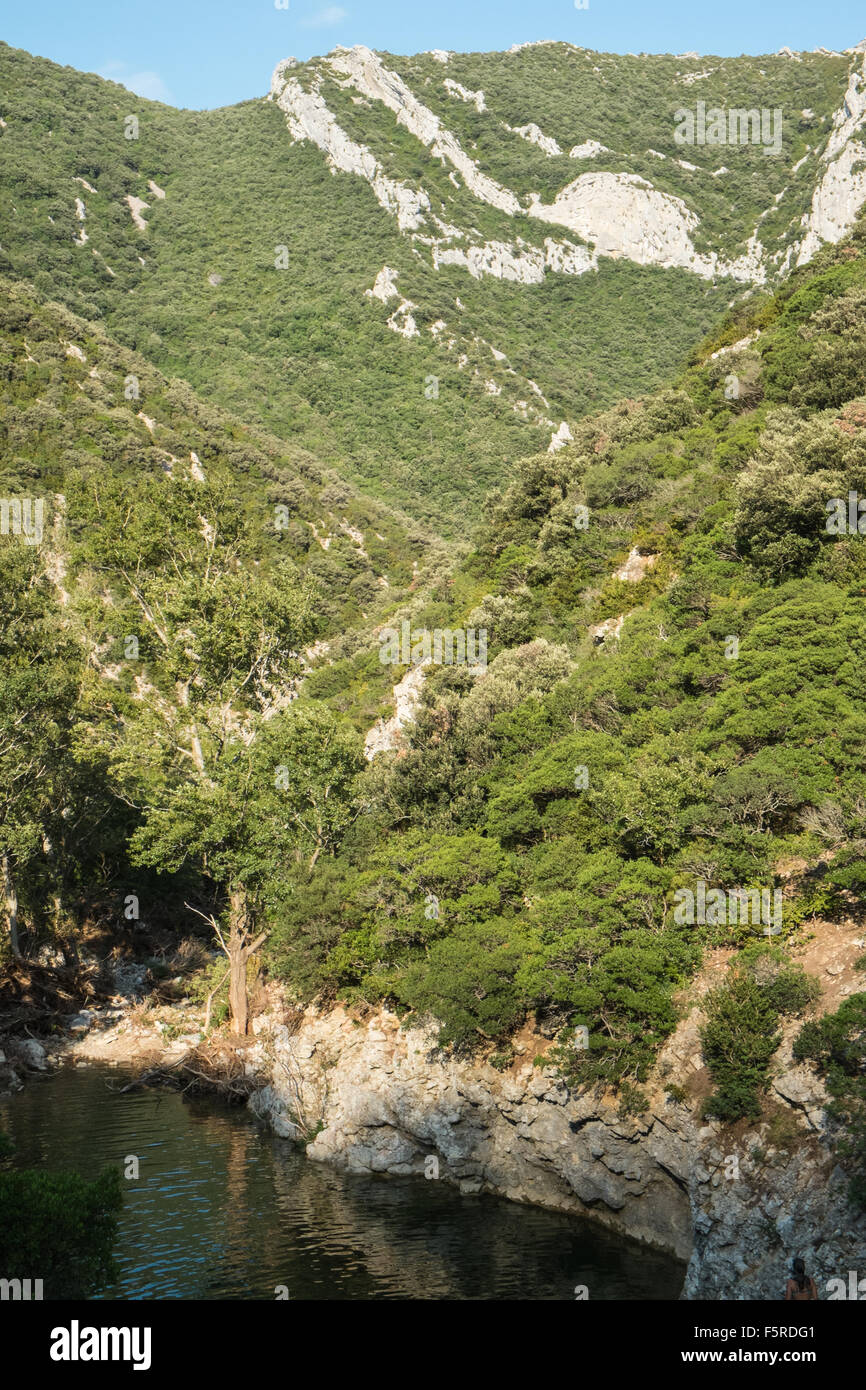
column 799, row 1268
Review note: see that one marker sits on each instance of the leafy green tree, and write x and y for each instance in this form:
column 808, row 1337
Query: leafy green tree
column 226, row 778
column 39, row 673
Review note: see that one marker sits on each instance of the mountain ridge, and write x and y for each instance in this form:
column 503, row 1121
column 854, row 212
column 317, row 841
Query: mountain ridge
column 421, row 362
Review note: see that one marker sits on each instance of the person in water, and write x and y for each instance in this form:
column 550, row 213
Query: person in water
column 800, row 1286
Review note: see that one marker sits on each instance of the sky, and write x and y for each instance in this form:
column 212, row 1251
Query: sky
column 207, row 53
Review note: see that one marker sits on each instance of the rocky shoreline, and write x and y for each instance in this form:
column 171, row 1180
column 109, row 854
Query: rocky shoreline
column 369, row 1095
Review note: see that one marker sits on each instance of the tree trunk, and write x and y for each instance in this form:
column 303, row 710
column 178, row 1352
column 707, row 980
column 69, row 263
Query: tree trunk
column 238, row 962
column 11, row 899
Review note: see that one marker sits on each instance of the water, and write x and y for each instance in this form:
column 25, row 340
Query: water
column 224, row 1210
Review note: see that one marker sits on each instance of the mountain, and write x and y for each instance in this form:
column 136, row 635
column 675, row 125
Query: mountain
column 422, row 268
column 655, row 759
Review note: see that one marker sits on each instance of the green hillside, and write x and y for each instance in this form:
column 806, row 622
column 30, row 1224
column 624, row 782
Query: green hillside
column 304, row 351
column 673, row 694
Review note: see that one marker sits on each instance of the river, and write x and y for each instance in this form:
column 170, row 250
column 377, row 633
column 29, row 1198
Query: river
column 224, row 1210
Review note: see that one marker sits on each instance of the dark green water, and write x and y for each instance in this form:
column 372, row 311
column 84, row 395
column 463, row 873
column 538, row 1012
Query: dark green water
column 223, row 1210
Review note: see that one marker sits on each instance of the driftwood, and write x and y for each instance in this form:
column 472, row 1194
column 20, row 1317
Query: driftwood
column 207, row 1068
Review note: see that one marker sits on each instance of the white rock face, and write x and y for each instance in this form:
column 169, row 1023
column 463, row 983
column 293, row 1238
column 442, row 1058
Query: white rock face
column 588, row 150
column 520, row 263
column 84, row 184
column 559, row 440
column 688, row 78
column 385, row 289
column 568, row 259
column 475, row 99
column 402, row 320
column 624, row 215
column 385, row 285
column 136, row 207
column 155, row 189
column 309, row 119
column 635, row 567
column 386, row 734
column 841, row 193
column 536, row 136
column 372, row 79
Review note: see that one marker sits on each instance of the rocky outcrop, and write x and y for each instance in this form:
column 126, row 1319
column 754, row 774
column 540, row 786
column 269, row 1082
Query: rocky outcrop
column 636, row 567
column 373, row 80
column 624, row 215
column 536, row 136
column 841, row 193
column 387, row 734
column 619, row 214
column 309, row 119
column 371, row 1096
column 475, row 99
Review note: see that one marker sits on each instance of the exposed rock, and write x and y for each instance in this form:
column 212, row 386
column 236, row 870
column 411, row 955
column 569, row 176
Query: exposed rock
column 635, row 567
column 588, row 150
column 536, row 136
column 372, row 79
column 841, row 193
column 608, row 630
column 475, row 99
column 384, row 1099
column 27, row 1053
column 136, row 207
column 309, row 119
column 385, row 285
column 561, row 437
column 386, row 734
column 624, row 215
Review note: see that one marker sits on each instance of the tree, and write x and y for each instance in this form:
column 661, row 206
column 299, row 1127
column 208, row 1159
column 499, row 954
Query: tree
column 39, row 669
column 214, row 643
column 213, row 647
column 281, row 794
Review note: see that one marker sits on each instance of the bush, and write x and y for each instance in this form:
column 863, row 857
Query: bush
column 59, row 1228
column 741, row 1031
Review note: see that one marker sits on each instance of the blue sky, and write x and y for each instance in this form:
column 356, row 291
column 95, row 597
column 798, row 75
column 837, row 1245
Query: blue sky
column 205, row 53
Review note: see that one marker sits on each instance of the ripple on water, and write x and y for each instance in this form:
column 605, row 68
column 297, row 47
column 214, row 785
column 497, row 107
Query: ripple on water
column 224, row 1210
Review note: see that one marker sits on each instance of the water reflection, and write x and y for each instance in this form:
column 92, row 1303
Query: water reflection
column 224, row 1210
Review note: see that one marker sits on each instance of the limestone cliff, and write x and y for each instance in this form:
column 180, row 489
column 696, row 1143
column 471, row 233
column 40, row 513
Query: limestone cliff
column 736, row 1204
